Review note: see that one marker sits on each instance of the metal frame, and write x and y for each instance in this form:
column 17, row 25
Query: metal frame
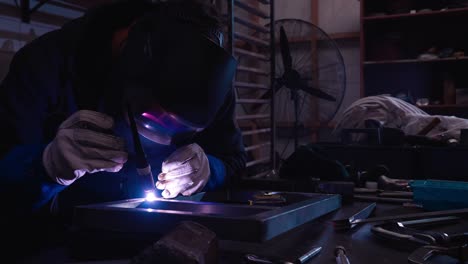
column 233, row 35
column 233, row 221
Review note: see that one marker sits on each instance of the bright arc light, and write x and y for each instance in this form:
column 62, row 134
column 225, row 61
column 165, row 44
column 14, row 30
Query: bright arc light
column 150, row 197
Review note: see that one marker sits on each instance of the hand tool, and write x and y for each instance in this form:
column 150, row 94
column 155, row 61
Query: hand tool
column 412, row 216
column 395, row 194
column 143, row 167
column 425, row 243
column 340, row 255
column 346, row 223
column 370, row 198
column 405, row 232
column 424, row 253
column 251, row 258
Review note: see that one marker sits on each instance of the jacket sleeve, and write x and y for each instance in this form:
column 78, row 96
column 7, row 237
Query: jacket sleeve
column 223, row 144
column 23, row 109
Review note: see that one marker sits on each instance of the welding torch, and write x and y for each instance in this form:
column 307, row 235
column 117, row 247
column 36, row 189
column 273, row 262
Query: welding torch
column 142, row 166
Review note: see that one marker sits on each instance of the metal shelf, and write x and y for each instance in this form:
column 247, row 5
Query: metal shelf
column 252, row 54
column 251, row 24
column 251, row 9
column 246, row 85
column 260, row 52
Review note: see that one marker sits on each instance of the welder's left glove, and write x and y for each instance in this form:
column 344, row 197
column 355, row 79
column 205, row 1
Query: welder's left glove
column 186, row 171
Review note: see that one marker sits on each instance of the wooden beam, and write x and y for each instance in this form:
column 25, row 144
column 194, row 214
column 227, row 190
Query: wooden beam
column 314, row 12
column 315, row 116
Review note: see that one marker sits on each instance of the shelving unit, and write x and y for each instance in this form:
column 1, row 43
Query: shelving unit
column 437, row 13
column 393, row 36
column 464, row 58
column 255, row 74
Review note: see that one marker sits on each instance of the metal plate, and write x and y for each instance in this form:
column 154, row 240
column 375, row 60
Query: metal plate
column 235, row 216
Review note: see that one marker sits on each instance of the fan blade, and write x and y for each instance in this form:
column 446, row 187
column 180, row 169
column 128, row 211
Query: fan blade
column 268, row 94
column 318, row 93
column 285, row 52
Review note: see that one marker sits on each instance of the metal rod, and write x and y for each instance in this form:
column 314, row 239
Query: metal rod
column 252, row 40
column 272, row 83
column 252, row 70
column 251, row 85
column 412, row 216
column 230, row 21
column 251, row 54
column 257, row 146
column 244, row 117
column 256, row 131
column 308, row 255
column 230, row 17
column 251, row 24
column 253, row 101
column 252, row 10
column 255, row 162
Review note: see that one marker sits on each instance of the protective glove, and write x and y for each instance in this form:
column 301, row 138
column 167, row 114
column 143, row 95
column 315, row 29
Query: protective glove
column 83, row 144
column 186, row 171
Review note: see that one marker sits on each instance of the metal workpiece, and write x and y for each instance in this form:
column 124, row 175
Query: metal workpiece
column 231, row 220
column 340, row 255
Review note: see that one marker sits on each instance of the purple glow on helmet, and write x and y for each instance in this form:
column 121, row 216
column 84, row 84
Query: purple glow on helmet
column 153, row 118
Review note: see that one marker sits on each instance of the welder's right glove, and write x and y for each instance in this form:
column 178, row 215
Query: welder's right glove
column 84, row 144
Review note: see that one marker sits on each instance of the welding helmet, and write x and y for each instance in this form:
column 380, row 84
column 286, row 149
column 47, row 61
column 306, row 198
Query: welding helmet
column 175, row 74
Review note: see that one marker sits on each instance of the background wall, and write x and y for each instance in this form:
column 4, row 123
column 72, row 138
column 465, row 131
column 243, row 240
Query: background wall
column 337, row 16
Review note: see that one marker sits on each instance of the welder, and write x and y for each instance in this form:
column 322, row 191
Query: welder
column 66, row 136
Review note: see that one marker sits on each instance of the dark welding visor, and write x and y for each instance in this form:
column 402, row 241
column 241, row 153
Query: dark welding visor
column 163, row 127
column 175, row 70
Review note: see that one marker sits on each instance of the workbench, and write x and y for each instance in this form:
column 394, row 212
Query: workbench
column 362, row 246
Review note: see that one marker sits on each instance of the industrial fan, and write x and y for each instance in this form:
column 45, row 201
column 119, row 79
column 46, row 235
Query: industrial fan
column 310, row 83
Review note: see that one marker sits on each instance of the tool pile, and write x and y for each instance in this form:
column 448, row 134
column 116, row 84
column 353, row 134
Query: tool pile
column 410, row 231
